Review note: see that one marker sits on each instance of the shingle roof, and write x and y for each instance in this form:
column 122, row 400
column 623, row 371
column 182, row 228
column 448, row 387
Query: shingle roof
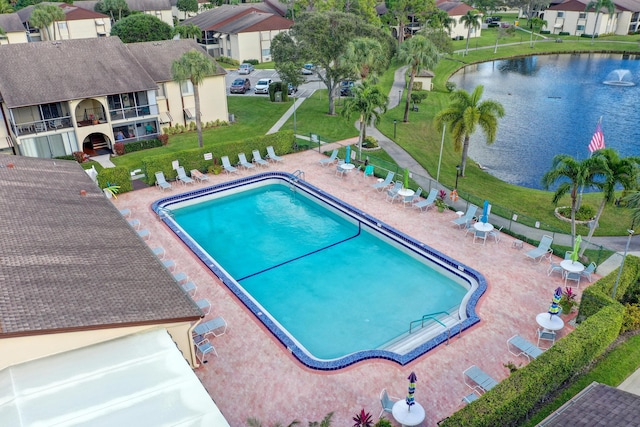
column 75, row 13
column 71, row 262
column 75, row 69
column 11, row 23
column 143, row 5
column 597, row 405
column 255, row 21
column 157, row 57
column 578, row 6
column 454, row 8
column 232, row 19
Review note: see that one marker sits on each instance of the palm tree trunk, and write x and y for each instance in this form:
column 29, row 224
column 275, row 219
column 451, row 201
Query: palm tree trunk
column 593, row 229
column 574, row 204
column 465, row 151
column 196, row 98
column 593, row 33
column 468, row 35
column 406, row 105
column 363, row 126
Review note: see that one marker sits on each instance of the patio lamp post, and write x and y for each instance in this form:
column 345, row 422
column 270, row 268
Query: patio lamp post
column 624, row 257
column 457, row 175
column 395, row 123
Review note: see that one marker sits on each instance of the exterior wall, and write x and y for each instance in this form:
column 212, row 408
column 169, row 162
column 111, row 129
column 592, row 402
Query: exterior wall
column 459, row 30
column 4, row 133
column 426, row 82
column 14, row 38
column 570, row 22
column 251, row 45
column 24, row 349
column 164, row 15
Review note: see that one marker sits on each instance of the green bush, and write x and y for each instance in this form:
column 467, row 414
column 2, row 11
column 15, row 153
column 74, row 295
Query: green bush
column 144, row 144
column 227, row 60
column 564, row 33
column 251, row 61
column 546, row 32
column 370, row 142
column 419, row 96
column 585, row 213
column 69, row 157
column 587, row 36
column 115, row 176
column 451, row 86
column 631, row 320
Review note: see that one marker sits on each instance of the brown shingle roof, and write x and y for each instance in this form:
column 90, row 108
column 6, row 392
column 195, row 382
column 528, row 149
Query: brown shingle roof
column 11, row 23
column 75, row 69
column 157, row 57
column 257, row 22
column 237, row 18
column 71, row 262
column 74, row 13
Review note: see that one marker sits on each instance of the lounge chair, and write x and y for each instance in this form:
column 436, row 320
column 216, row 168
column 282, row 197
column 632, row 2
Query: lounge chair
column 162, row 182
column 519, row 346
column 189, row 288
column 587, row 271
column 384, row 184
column 199, row 176
column 468, row 216
column 182, row 176
column 272, row 156
column 244, row 163
column 169, row 264
column 134, row 223
column 479, row 380
column 125, row 213
column 259, row 160
column 481, row 235
column 386, row 402
column 543, row 250
column 144, row 234
column 368, row 171
column 410, row 200
column 427, row 203
column 180, row 277
column 227, row 165
column 204, row 305
column 392, row 193
column 470, row 398
column 332, row 158
column 159, row 252
column 203, row 348
column 215, row 327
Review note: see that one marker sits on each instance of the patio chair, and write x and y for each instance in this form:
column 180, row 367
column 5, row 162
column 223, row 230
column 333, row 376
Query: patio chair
column 496, row 233
column 468, row 216
column 244, row 163
column 182, row 176
column 216, row 327
column 386, row 402
column 479, row 380
column 180, row 277
column 567, row 254
column 569, row 275
column 543, row 250
column 203, row 348
column 40, row 127
column 427, row 203
column 410, row 200
column 169, row 264
column 555, row 268
column 392, row 193
column 384, row 184
column 199, row 176
column 332, row 158
column 134, row 223
column 368, row 171
column 470, row 398
column 481, row 235
column 272, row 156
column 468, row 228
column 161, row 181
column 587, row 271
column 340, row 171
column 545, row 335
column 125, row 213
column 259, row 160
column 159, row 252
column 519, row 346
column 204, row 305
column 226, row 165
column 189, row 288
column 144, row 234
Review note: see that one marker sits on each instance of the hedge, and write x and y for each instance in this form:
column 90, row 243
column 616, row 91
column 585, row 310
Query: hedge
column 115, row 176
column 282, row 143
column 511, row 401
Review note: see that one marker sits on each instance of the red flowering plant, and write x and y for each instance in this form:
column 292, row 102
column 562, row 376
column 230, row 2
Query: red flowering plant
column 363, row 419
column 568, row 300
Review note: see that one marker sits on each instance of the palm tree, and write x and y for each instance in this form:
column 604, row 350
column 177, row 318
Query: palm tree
column 623, row 171
column 189, row 31
column 370, row 103
column 536, row 23
column 471, row 20
column 193, row 66
column 464, row 114
column 598, row 5
column 418, row 52
column 5, row 6
column 44, row 15
column 366, row 56
column 572, row 174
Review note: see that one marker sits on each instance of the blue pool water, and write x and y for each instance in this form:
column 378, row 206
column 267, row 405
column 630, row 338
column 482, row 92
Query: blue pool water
column 552, row 105
column 333, row 284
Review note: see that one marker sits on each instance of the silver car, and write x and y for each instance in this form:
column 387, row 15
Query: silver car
column 245, row 68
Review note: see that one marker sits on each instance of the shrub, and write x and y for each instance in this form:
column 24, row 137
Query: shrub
column 564, row 33
column 585, row 213
column 419, row 96
column 251, row 61
column 69, row 157
column 451, row 86
column 144, row 144
column 547, row 32
column 370, row 142
column 119, row 148
column 631, row 319
column 118, row 176
column 228, row 60
column 80, row 157
column 416, row 86
column 164, row 139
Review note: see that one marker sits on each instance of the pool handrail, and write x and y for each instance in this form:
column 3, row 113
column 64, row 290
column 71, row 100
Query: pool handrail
column 430, row 316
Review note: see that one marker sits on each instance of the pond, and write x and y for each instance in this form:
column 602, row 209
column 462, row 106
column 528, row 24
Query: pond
column 552, row 105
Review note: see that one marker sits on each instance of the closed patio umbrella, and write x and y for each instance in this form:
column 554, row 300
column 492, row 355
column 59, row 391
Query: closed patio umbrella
column 412, row 388
column 576, row 248
column 554, row 309
column 347, row 158
column 485, row 212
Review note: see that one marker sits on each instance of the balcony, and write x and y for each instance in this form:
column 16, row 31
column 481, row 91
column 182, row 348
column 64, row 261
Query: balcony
column 41, row 126
column 133, row 112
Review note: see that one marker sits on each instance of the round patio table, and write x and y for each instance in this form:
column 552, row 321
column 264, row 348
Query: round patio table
column 571, row 266
column 401, row 413
column 550, row 322
column 483, row 226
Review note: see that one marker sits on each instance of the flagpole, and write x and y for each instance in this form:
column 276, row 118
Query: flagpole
column 582, row 187
column 440, row 159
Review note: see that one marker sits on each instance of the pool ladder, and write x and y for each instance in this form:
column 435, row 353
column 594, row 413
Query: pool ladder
column 432, row 316
column 297, row 175
column 164, row 212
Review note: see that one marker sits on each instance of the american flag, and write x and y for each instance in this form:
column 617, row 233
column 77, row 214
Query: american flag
column 597, row 142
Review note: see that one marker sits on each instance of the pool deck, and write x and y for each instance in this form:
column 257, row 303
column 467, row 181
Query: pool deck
column 255, row 376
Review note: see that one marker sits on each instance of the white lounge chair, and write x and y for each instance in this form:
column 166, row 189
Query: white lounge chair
column 189, row 288
column 480, row 381
column 272, row 156
column 159, row 252
column 386, row 402
column 199, row 176
column 227, row 165
column 332, row 158
column 244, row 163
column 468, row 216
column 543, row 250
column 162, row 182
column 144, row 234
column 384, row 184
column 204, row 305
column 258, row 159
column 519, row 346
column 216, row 327
column 182, row 176
column 426, row 204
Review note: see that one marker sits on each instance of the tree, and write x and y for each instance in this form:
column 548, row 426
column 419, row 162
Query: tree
column 5, row 6
column 185, row 6
column 533, row 24
column 464, row 114
column 471, row 20
column 141, row 27
column 117, row 9
column 288, row 59
column 598, row 5
column 402, row 9
column 21, row 4
column 572, row 174
column 322, row 38
column 616, row 171
column 366, row 56
column 504, row 32
column 193, row 66
column 189, row 31
column 365, row 10
column 418, row 53
column 44, row 15
column 369, row 103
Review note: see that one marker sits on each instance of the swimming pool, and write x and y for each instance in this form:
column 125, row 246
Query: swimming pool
column 312, row 289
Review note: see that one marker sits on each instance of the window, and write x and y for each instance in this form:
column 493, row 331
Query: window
column 560, row 14
column 99, row 22
column 266, row 52
column 62, row 26
column 580, row 28
column 160, row 92
column 582, row 15
column 186, row 87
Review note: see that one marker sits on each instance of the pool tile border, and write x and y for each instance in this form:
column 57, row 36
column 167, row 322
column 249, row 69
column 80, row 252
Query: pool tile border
column 461, row 270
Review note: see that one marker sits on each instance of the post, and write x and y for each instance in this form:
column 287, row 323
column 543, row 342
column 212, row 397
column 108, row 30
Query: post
column 457, row 175
column 395, row 123
column 294, row 114
column 399, row 96
column 624, row 257
column 440, row 158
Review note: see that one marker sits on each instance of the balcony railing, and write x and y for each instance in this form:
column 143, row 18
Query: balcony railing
column 40, row 126
column 131, row 112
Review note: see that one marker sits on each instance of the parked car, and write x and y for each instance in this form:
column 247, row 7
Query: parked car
column 240, row 86
column 308, row 69
column 291, row 89
column 262, row 86
column 345, row 87
column 245, row 68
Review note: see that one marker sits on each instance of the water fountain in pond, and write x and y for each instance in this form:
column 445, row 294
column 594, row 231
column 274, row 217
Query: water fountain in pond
column 619, row 78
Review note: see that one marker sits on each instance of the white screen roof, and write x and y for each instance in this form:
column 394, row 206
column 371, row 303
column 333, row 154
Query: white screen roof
column 141, row 379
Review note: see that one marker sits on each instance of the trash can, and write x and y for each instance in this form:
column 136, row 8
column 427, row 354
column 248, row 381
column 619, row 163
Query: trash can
column 515, row 23
column 278, row 97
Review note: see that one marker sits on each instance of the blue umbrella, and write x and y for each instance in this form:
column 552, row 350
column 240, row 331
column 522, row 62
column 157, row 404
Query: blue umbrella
column 485, row 212
column 412, row 388
column 348, row 157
